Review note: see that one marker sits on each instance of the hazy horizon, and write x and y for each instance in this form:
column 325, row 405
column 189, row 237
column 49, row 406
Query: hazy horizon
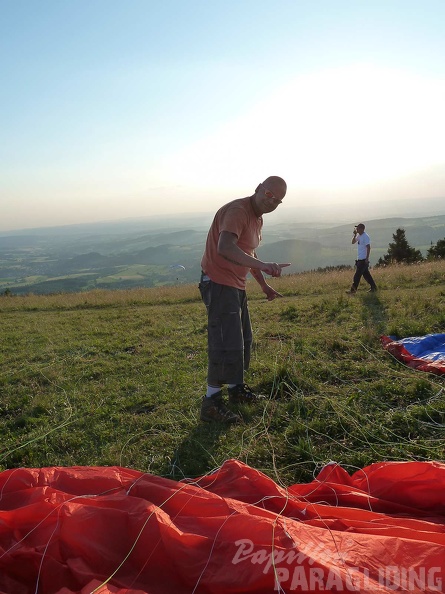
column 332, row 215
column 117, row 111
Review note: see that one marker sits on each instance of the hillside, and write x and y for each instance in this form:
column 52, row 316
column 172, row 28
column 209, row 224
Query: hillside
column 116, row 377
column 131, row 255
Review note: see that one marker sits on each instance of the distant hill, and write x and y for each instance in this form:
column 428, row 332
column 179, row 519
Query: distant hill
column 303, row 255
column 129, row 254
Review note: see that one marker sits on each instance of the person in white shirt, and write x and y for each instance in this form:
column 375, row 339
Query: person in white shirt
column 362, row 263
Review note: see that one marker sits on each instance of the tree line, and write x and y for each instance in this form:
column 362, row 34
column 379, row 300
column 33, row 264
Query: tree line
column 399, row 251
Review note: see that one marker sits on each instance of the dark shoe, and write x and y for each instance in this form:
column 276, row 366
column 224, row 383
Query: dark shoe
column 373, row 290
column 351, row 291
column 242, row 394
column 214, row 409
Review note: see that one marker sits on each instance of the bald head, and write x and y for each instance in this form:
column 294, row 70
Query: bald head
column 276, row 185
column 269, row 194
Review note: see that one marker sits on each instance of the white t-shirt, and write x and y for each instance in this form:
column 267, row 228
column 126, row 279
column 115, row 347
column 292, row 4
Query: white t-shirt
column 362, row 241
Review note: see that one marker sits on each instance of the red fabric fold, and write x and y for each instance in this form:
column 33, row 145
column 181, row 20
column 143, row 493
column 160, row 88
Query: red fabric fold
column 115, row 530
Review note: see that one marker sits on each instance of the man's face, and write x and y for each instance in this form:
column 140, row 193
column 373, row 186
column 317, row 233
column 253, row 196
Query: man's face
column 270, row 199
column 360, row 230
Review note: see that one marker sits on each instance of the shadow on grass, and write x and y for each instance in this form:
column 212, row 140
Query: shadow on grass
column 374, row 314
column 195, row 455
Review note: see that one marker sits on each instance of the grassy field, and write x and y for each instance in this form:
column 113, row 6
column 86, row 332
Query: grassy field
column 116, row 378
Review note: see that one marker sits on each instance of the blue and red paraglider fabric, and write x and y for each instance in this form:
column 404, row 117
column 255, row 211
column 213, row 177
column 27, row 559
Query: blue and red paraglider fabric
column 425, row 353
column 115, row 530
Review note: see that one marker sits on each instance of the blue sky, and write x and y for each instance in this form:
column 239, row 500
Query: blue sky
column 127, row 108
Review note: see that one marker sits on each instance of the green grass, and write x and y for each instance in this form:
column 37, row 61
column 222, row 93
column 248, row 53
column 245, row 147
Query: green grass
column 116, row 377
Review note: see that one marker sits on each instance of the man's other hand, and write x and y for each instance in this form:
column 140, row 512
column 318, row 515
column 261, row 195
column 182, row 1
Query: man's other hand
column 270, row 292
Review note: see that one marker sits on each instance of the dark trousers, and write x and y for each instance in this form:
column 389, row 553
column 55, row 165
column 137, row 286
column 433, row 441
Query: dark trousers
column 362, row 269
column 229, row 333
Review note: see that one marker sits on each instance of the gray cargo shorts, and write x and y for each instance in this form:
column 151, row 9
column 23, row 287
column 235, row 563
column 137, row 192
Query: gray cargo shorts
column 229, row 332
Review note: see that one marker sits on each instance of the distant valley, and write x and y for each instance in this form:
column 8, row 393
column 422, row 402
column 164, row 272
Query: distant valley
column 156, row 251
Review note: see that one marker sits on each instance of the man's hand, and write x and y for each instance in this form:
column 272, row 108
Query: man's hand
column 270, row 292
column 273, row 269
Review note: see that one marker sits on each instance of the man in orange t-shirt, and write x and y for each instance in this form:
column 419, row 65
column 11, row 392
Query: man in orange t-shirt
column 229, row 256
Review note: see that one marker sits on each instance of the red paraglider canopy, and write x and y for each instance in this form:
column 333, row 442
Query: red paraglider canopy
column 116, row 530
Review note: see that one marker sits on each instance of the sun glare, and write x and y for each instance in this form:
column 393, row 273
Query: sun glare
column 335, row 129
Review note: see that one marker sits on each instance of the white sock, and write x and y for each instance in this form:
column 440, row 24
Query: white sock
column 211, row 390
